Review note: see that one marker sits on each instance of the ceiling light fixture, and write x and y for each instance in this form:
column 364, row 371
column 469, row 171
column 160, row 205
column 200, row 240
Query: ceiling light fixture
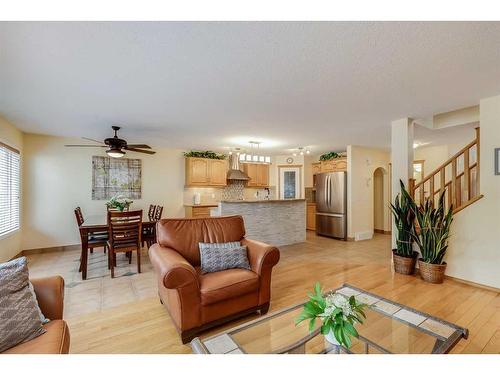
column 301, row 151
column 115, row 153
column 254, row 156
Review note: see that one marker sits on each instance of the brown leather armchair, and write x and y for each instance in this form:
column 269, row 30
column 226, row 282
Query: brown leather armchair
column 197, row 302
column 50, row 295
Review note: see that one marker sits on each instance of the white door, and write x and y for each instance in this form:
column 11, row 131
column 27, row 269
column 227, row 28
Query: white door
column 290, row 183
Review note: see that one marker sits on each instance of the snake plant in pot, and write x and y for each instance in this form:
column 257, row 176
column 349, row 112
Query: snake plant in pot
column 404, row 256
column 431, row 235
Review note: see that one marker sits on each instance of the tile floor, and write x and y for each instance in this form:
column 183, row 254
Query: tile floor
column 99, row 291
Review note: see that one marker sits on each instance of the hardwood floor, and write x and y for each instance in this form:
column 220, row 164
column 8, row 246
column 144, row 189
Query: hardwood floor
column 145, row 326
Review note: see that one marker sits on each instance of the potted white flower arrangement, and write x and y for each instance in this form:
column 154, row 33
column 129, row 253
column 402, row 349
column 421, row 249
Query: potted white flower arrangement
column 338, row 315
column 119, row 202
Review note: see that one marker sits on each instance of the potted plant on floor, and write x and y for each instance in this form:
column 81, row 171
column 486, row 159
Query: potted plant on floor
column 338, row 315
column 404, row 257
column 431, row 235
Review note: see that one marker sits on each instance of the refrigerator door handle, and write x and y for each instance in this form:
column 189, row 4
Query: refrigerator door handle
column 327, row 214
column 326, row 190
column 330, row 192
column 328, row 186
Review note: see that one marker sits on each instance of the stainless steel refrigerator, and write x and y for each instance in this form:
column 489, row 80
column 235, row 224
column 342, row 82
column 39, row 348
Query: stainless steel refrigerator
column 331, row 204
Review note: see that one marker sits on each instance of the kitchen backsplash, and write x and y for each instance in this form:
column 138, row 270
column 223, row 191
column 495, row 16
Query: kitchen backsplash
column 233, row 191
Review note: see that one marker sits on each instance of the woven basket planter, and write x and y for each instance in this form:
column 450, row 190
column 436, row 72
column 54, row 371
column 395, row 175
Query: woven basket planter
column 432, row 273
column 404, row 265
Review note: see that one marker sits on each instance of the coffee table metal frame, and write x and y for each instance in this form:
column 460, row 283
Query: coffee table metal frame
column 442, row 346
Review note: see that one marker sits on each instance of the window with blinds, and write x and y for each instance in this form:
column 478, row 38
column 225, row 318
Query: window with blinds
column 9, row 189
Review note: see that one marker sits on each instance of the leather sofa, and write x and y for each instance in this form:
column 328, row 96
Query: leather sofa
column 50, row 295
column 198, row 301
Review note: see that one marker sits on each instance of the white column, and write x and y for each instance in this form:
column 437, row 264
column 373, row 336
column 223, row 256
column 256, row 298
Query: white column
column 401, row 158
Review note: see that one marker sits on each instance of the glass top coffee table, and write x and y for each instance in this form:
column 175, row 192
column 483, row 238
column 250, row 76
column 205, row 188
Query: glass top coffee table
column 389, row 328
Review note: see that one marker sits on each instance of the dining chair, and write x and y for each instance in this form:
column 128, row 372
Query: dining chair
column 158, row 212
column 125, row 231
column 149, row 231
column 95, row 239
column 151, row 212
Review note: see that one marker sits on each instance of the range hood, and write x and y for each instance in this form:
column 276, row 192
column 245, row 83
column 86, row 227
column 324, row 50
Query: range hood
column 234, row 173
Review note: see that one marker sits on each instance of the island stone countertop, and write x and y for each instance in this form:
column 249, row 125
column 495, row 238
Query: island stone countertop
column 276, row 222
column 264, row 200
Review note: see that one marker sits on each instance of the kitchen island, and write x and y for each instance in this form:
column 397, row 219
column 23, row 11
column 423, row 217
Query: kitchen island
column 275, row 222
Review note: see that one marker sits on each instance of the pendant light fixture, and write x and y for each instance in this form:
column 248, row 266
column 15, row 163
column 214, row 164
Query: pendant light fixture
column 301, row 151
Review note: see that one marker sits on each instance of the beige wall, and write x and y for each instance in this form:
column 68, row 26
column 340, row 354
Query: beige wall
column 58, row 179
column 379, row 200
column 459, row 117
column 10, row 244
column 433, row 156
column 474, row 253
column 362, row 163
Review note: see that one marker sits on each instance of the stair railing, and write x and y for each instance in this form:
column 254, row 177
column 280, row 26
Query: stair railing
column 458, row 177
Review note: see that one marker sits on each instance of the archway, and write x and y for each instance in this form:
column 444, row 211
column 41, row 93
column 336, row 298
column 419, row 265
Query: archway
column 380, row 209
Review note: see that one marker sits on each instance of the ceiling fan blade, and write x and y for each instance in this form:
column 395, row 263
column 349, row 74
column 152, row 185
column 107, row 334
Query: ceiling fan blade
column 93, row 140
column 138, row 146
column 84, row 146
column 137, row 150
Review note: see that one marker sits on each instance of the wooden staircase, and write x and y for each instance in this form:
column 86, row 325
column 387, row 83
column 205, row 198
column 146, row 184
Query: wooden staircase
column 458, row 177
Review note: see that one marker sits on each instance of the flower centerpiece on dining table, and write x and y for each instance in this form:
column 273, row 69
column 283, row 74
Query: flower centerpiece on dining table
column 119, row 202
column 338, row 315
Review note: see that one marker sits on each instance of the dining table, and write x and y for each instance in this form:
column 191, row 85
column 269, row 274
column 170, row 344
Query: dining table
column 93, row 224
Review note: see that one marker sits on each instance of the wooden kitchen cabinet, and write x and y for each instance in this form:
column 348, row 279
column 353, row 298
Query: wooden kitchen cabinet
column 316, row 168
column 258, row 173
column 218, row 172
column 334, row 165
column 205, row 172
column 340, row 165
column 198, row 211
column 311, row 216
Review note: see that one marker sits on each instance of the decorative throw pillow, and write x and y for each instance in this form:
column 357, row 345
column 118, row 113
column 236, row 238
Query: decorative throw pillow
column 19, row 318
column 222, row 256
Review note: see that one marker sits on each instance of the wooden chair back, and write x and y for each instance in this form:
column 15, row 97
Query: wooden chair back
column 158, row 212
column 151, row 212
column 79, row 216
column 125, row 228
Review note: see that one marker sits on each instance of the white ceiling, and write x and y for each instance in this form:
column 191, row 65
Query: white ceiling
column 211, row 85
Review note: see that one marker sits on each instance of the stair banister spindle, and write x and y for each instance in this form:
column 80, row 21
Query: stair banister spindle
column 466, row 174
column 442, row 181
column 478, row 169
column 454, row 182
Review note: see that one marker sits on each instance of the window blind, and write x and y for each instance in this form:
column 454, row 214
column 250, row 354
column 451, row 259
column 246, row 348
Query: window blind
column 9, row 189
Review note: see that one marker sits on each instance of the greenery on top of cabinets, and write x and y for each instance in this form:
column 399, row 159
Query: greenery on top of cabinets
column 204, row 155
column 329, row 156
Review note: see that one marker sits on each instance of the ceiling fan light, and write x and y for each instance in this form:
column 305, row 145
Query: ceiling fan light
column 115, row 153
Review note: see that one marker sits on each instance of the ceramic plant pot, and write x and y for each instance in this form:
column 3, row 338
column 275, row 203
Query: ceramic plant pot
column 330, row 337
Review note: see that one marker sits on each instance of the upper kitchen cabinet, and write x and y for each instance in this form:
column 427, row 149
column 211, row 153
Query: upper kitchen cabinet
column 333, row 165
column 316, row 167
column 258, row 173
column 218, row 172
column 205, row 172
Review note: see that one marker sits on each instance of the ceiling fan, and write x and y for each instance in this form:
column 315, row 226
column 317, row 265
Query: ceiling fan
column 115, row 145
